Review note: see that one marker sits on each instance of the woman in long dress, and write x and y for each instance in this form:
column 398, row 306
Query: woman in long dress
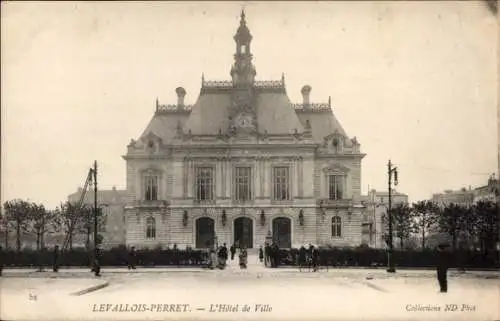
column 243, row 258
column 213, row 259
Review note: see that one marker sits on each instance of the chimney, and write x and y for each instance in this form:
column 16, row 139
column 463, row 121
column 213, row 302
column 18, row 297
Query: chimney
column 181, row 93
column 306, row 90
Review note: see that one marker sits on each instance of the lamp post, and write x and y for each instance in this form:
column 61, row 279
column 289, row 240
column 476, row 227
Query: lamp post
column 97, row 267
column 391, row 171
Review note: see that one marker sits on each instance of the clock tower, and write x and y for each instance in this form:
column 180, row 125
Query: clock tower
column 243, row 72
column 243, row 76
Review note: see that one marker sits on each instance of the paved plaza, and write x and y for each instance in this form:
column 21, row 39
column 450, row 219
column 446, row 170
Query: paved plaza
column 251, row 294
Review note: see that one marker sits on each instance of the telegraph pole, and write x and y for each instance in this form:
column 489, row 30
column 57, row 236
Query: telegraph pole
column 391, row 171
column 97, row 267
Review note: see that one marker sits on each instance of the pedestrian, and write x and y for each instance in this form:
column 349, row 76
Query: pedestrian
column 233, row 251
column 55, row 259
column 222, row 256
column 132, row 258
column 314, row 259
column 243, row 258
column 277, row 255
column 267, row 255
column 97, row 264
column 302, row 257
column 442, row 268
column 261, row 254
column 213, row 259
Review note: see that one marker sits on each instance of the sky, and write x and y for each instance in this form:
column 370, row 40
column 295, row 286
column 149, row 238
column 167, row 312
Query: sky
column 415, row 82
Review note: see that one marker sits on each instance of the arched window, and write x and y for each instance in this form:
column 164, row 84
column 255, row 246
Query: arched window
column 150, row 228
column 336, row 226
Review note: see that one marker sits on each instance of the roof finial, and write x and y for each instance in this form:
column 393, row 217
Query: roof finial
column 283, row 78
column 202, row 78
column 242, row 16
column 330, row 101
column 157, row 103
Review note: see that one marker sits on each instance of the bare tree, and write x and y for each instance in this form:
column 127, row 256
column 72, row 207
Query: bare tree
column 42, row 222
column 426, row 216
column 17, row 213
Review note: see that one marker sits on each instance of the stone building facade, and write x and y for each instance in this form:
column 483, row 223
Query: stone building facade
column 112, row 203
column 241, row 164
column 373, row 227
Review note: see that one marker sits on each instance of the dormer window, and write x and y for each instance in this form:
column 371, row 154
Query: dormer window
column 337, row 145
column 151, row 144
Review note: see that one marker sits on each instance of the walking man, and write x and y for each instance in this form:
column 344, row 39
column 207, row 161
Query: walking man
column 132, row 258
column 55, row 259
column 267, row 255
column 233, row 251
column 442, row 268
column 261, row 254
column 302, row 257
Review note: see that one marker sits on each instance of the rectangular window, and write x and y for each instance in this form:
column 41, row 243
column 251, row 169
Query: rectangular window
column 151, row 187
column 204, row 183
column 243, row 183
column 281, row 183
column 335, row 187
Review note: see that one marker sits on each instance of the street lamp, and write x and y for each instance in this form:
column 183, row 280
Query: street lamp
column 391, row 171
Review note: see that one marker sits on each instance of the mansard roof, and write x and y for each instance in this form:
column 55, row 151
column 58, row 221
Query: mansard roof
column 275, row 114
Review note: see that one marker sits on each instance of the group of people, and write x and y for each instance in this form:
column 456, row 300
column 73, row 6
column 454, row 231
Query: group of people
column 219, row 256
column 308, row 257
column 271, row 255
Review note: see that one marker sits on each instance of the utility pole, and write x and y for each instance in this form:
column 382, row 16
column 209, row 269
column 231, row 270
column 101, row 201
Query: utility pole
column 390, row 171
column 97, row 267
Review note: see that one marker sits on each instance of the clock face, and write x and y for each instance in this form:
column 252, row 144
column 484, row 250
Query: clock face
column 244, row 121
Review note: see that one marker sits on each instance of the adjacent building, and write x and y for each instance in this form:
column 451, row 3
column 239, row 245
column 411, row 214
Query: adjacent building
column 464, row 197
column 112, row 203
column 488, row 192
column 374, row 223
column 242, row 164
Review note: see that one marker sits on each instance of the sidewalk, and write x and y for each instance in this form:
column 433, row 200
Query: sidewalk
column 253, row 267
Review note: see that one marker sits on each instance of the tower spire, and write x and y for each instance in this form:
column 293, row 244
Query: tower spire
column 243, row 71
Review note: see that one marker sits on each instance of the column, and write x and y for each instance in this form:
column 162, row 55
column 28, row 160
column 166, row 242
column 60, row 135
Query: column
column 267, row 183
column 185, row 177
column 260, row 165
column 301, row 177
column 223, row 168
column 229, row 176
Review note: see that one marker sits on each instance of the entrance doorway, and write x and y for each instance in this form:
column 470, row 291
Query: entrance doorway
column 205, row 233
column 282, row 232
column 243, row 232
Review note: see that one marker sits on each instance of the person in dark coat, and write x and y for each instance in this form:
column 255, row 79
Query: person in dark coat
column 302, row 257
column 97, row 264
column 442, row 268
column 222, row 256
column 55, row 259
column 276, row 255
column 267, row 255
column 132, row 258
column 314, row 259
column 233, row 251
column 261, row 254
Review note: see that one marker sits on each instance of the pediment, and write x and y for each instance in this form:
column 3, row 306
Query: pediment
column 333, row 135
column 336, row 169
column 151, row 136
